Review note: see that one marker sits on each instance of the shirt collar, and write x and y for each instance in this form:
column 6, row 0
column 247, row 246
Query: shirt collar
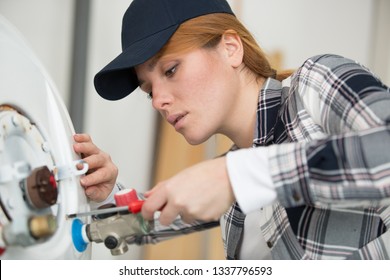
column 268, row 108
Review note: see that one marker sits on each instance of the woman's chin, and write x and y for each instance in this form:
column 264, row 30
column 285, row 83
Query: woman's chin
column 195, row 139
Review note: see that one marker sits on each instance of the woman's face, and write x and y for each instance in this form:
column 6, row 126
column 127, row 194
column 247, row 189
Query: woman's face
column 194, row 92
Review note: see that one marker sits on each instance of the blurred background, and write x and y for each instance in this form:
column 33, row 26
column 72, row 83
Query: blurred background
column 74, row 39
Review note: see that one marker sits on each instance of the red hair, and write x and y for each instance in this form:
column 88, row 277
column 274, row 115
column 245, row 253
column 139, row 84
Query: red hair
column 206, row 32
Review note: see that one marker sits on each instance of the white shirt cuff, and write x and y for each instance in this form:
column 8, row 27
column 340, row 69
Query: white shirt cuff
column 250, row 178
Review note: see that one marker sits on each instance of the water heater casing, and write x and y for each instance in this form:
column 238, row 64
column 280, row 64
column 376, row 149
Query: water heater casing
column 27, row 88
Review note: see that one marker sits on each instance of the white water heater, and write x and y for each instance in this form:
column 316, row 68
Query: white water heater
column 39, row 181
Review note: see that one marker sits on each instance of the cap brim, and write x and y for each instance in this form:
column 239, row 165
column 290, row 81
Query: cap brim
column 118, row 79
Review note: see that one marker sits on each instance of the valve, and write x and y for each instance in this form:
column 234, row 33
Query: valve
column 113, row 230
column 41, row 188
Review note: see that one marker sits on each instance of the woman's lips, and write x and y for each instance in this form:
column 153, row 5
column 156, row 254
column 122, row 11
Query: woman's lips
column 176, row 120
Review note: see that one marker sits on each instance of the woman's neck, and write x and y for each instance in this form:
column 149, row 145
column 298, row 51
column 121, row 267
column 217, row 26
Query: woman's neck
column 243, row 119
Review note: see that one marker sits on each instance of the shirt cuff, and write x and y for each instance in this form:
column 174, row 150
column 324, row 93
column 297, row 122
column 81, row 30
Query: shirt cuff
column 249, row 175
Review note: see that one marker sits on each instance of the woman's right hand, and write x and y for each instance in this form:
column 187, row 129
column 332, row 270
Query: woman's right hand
column 102, row 172
column 201, row 192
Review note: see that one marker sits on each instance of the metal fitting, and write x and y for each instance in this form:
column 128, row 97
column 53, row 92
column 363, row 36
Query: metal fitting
column 114, row 230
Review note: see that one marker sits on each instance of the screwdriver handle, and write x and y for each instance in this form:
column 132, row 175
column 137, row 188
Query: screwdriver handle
column 129, row 198
column 135, row 206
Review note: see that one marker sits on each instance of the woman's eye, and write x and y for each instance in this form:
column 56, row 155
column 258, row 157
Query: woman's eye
column 149, row 95
column 171, row 71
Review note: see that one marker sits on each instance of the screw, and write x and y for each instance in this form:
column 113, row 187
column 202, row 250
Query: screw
column 15, row 121
column 10, row 203
column 45, row 147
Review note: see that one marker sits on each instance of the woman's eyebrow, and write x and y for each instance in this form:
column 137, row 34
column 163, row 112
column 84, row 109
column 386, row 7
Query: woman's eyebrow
column 152, row 64
column 150, row 67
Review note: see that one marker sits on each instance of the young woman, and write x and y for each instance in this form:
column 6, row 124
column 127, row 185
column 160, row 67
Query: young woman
column 309, row 174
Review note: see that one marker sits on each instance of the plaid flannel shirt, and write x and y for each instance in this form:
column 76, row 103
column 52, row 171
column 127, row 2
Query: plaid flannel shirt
column 327, row 128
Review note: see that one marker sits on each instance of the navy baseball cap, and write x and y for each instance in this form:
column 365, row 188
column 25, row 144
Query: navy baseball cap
column 147, row 26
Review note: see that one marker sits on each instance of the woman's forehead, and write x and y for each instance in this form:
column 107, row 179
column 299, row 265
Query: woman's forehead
column 148, row 65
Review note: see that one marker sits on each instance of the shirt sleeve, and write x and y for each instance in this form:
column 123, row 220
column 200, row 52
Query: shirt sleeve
column 249, row 175
column 349, row 166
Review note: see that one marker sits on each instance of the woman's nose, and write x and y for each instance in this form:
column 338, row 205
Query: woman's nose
column 161, row 98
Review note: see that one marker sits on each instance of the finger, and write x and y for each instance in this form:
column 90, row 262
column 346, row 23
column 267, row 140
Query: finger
column 96, row 161
column 97, row 177
column 86, row 148
column 82, row 137
column 95, row 193
column 152, row 204
column 187, row 219
column 90, row 192
column 81, row 166
column 168, row 214
column 148, row 193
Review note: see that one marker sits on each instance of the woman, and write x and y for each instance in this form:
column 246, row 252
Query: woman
column 309, row 174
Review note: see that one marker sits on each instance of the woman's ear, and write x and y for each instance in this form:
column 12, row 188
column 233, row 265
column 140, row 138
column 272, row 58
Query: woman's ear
column 232, row 44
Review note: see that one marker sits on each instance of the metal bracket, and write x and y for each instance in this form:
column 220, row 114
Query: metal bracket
column 18, row 170
column 67, row 171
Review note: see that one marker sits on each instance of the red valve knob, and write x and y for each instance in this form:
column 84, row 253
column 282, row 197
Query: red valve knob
column 125, row 197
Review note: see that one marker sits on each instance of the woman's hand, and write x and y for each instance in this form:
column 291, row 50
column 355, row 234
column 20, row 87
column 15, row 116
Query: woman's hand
column 102, row 172
column 201, row 192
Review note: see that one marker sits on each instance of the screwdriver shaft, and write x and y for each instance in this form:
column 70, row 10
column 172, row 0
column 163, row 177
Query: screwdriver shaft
column 98, row 212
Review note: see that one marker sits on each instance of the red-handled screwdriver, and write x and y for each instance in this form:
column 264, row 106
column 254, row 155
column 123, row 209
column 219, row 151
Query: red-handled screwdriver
column 133, row 207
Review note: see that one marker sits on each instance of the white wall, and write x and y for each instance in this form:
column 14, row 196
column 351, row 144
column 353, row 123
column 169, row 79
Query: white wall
column 380, row 52
column 302, row 28
column 47, row 25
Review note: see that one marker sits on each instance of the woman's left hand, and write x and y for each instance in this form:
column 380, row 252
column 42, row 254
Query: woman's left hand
column 201, row 192
column 102, row 172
